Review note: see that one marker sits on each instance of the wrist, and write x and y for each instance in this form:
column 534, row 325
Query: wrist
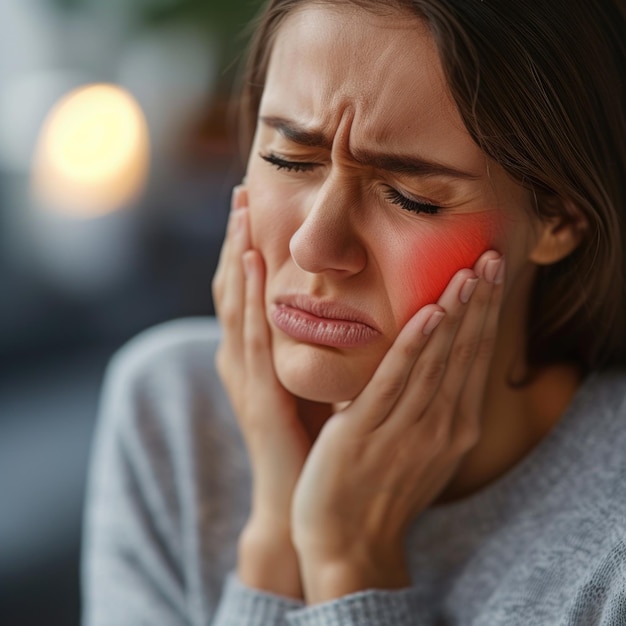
column 325, row 580
column 267, row 561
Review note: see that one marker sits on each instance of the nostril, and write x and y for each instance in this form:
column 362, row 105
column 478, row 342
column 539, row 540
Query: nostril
column 329, row 236
column 333, row 250
column 302, row 248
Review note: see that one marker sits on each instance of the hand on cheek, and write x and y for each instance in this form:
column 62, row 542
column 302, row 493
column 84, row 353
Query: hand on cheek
column 382, row 460
column 269, row 417
column 340, row 505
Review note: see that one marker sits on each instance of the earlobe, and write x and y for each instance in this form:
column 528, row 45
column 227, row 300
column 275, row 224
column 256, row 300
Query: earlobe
column 560, row 235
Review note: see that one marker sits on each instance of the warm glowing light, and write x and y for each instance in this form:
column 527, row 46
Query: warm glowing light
column 93, row 153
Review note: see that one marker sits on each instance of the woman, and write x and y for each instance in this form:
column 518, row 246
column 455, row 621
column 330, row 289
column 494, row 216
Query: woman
column 420, row 409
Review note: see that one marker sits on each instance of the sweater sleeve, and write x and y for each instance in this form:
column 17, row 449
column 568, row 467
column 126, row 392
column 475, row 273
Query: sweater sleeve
column 372, row 607
column 241, row 605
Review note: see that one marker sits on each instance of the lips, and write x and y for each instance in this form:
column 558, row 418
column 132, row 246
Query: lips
column 325, row 323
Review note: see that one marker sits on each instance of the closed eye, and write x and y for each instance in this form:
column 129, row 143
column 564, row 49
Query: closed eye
column 391, row 194
column 414, row 206
column 288, row 166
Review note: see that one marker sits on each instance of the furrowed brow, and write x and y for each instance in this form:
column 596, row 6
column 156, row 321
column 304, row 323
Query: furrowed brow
column 409, row 165
column 398, row 164
column 298, row 134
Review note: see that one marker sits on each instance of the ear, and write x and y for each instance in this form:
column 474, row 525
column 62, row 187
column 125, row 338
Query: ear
column 559, row 235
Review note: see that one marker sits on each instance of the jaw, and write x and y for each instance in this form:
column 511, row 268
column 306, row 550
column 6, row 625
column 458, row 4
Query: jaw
column 323, row 374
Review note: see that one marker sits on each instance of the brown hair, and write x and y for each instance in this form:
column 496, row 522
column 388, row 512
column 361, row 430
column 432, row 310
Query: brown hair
column 540, row 87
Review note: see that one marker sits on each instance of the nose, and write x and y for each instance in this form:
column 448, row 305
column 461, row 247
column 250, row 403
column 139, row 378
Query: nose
column 327, row 240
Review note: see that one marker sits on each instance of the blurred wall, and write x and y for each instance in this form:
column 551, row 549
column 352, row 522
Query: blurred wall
column 111, row 219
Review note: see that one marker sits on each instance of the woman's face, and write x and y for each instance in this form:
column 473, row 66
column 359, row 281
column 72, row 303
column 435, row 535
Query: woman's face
column 366, row 194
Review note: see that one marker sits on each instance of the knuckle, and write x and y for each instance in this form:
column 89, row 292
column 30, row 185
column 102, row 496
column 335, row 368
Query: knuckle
column 250, row 295
column 480, row 298
column 390, row 388
column 217, row 288
column 447, row 400
column 255, row 343
column 465, row 351
column 467, row 439
column 433, row 370
column 229, row 315
column 485, row 347
column 454, row 317
column 408, row 350
column 440, row 435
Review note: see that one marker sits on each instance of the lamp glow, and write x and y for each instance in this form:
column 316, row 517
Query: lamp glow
column 92, row 156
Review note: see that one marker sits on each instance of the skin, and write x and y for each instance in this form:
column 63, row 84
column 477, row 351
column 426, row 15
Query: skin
column 329, row 511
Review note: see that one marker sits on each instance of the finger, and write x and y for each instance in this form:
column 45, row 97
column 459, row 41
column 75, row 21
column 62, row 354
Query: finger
column 468, row 339
column 390, row 384
column 484, row 266
column 438, row 379
column 429, row 369
column 256, row 332
column 439, row 421
column 231, row 312
column 471, row 400
column 238, row 200
column 230, row 255
column 380, row 395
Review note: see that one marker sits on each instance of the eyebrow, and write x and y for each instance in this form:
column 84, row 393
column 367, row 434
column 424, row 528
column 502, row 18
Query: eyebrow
column 396, row 163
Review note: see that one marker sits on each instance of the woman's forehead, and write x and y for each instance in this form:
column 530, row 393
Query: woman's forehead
column 386, row 69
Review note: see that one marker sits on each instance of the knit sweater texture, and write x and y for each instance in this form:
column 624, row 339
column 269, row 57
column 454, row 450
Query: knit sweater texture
column 169, row 492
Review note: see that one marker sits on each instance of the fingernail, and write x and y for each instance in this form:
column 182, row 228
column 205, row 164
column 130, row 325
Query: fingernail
column 468, row 290
column 433, row 322
column 491, row 269
column 500, row 275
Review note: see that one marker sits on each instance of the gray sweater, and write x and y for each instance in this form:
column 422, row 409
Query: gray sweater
column 169, row 491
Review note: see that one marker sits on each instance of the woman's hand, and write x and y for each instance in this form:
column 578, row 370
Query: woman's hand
column 278, row 428
column 377, row 463
column 382, row 460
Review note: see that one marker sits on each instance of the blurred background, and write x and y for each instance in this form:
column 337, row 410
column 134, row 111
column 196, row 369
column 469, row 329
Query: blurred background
column 117, row 158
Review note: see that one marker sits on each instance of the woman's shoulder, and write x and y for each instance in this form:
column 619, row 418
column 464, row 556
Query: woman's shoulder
column 601, row 411
column 183, row 342
column 598, row 453
column 165, row 420
column 165, row 380
column 167, row 357
column 609, row 385
column 168, row 471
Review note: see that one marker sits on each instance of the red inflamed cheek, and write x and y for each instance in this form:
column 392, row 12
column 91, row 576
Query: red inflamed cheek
column 448, row 245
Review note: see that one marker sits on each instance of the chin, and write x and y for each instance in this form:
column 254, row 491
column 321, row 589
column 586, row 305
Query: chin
column 321, row 374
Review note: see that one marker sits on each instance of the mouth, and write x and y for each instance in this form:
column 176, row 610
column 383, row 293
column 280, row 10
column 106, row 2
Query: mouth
column 323, row 323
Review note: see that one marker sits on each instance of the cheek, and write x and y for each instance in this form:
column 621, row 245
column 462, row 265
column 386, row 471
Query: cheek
column 431, row 257
column 271, row 214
